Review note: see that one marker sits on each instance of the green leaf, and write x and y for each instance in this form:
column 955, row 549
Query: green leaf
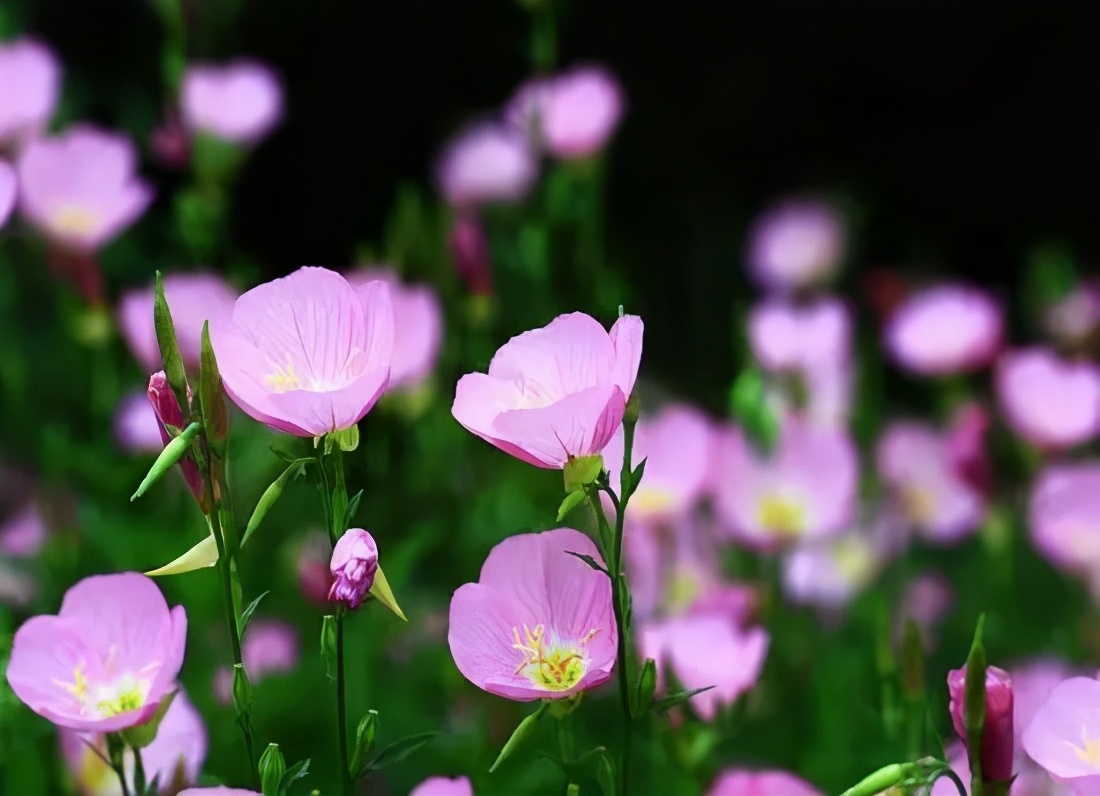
column 246, row 614
column 522, row 731
column 175, row 450
column 636, row 476
column 271, row 495
column 169, row 347
column 605, row 774
column 353, row 509
column 272, row 770
column 399, row 750
column 588, row 560
column 668, row 702
column 144, row 734
column 749, row 406
column 580, row 471
column 328, row 645
column 364, row 740
column 296, row 772
column 647, row 687
column 572, row 500
column 215, row 415
column 202, row 555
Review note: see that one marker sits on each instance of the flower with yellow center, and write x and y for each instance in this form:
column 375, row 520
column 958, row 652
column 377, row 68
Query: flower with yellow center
column 552, row 665
column 781, row 515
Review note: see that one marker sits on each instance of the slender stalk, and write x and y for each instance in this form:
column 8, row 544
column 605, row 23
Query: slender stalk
column 139, row 772
column 341, row 707
column 621, row 595
column 336, row 507
column 565, row 744
column 116, row 751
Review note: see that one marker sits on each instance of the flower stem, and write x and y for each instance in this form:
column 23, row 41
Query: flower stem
column 116, row 752
column 341, row 707
column 139, row 772
column 565, row 744
column 620, row 595
column 336, row 505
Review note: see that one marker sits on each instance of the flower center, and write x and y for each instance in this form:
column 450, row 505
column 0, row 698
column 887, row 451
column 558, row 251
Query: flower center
column 918, row 504
column 1090, row 752
column 125, row 693
column 854, row 559
column 653, row 501
column 553, row 666
column 282, row 379
column 74, row 220
column 782, row 515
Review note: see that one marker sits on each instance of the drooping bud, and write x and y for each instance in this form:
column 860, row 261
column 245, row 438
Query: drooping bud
column 172, row 422
column 997, row 735
column 353, row 565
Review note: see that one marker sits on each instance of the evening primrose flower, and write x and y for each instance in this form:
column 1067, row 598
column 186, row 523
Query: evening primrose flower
column 30, row 83
column 240, row 101
column 795, row 243
column 1050, row 402
column 749, row 782
column 572, row 114
column 307, row 354
column 8, row 186
column 1064, row 517
column 444, row 786
column 269, row 646
column 554, row 393
column 486, row 162
column 945, row 329
column 80, row 189
column 1064, row 736
column 539, row 623
column 106, row 660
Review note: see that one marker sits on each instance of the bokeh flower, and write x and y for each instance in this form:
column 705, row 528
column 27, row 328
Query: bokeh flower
column 1064, row 517
column 470, row 252
column 354, row 562
column 928, row 597
column 572, row 114
column 23, row 533
column 136, row 426
column 539, row 623
column 1064, row 736
column 964, row 443
column 1075, row 318
column 1050, row 402
column 803, row 491
column 486, row 163
column 998, row 738
column 240, row 101
column 945, row 329
column 8, row 191
column 192, row 298
column 80, row 189
column 312, row 566
column 106, row 660
column 30, row 83
column 307, row 354
column 748, row 782
column 269, row 646
column 444, row 786
column 795, row 244
column 556, row 392
column 175, row 756
column 219, row 790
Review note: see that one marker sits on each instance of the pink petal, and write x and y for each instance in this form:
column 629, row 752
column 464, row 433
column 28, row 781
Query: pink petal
column 7, row 191
column 626, row 336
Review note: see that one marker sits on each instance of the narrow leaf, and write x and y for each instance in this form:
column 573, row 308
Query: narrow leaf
column 588, row 560
column 399, row 750
column 246, row 614
column 271, row 495
column 204, row 554
column 661, row 705
column 974, row 706
column 364, row 740
column 215, row 415
column 296, row 772
column 169, row 347
column 175, row 450
column 572, row 500
column 353, row 509
column 521, row 732
column 636, row 476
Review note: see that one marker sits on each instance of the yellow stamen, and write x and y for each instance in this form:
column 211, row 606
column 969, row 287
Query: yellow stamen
column 781, row 515
column 553, row 667
column 284, row 379
column 918, row 504
column 1089, row 752
column 74, row 220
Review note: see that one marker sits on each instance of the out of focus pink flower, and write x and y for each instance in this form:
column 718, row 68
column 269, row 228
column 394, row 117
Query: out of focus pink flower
column 572, row 114
column 353, row 565
column 312, row 567
column 748, row 782
column 8, row 191
column 170, row 142
column 1073, row 319
column 1032, row 683
column 106, row 660
column 307, row 354
column 998, row 739
column 1064, row 517
column 444, row 786
column 239, row 101
column 706, row 650
column 1050, row 402
column 470, row 251
column 270, row 646
column 554, row 393
column 192, row 298
column 136, row 426
column 945, row 329
column 965, row 446
column 804, row 491
column 927, row 598
column 788, row 336
column 219, row 790
column 486, row 163
column 418, row 325
column 1064, row 735
column 914, row 463
column 539, row 623
column 30, row 83
column 795, row 244
column 175, row 756
column 24, row 532
column 80, row 189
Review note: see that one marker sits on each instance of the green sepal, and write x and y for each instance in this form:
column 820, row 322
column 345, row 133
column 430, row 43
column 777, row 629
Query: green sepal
column 175, row 450
column 580, row 471
column 242, row 691
column 144, row 734
column 974, row 706
column 522, row 731
column 169, row 346
column 215, row 414
column 273, row 492
column 572, row 500
column 347, row 440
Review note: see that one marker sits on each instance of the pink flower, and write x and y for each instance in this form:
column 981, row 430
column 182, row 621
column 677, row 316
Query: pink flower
column 168, row 411
column 106, row 660
column 220, row 790
column 556, row 392
column 24, row 532
column 486, row 163
column 746, row 782
column 945, row 329
column 676, row 444
column 8, row 187
column 998, row 739
column 354, row 562
column 314, row 577
column 795, row 244
column 927, row 599
column 786, row 336
column 270, row 646
column 444, row 786
column 707, row 650
column 914, row 462
column 472, row 258
column 965, row 446
column 1032, row 684
column 175, row 756
column 1048, row 401
column 193, row 300
column 80, row 188
column 240, row 101
column 417, row 321
column 573, row 113
column 1064, row 516
column 1064, row 736
column 539, row 623
column 136, row 425
column 30, row 82
column 804, row 490
column 307, row 354
column 1074, row 318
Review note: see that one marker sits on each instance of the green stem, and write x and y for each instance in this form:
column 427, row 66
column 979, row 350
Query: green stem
column 341, row 707
column 336, row 507
column 116, row 750
column 139, row 772
column 544, row 38
column 565, row 744
column 621, row 597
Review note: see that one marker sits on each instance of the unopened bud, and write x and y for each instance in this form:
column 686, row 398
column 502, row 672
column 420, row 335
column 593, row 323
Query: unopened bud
column 997, row 735
column 353, row 565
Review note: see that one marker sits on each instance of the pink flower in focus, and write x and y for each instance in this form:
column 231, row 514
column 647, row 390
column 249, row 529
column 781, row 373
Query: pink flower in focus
column 795, row 244
column 945, row 329
column 444, row 786
column 270, row 646
column 239, row 101
column 556, row 392
column 354, row 562
column 1064, row 517
column 707, row 650
column 175, row 756
column 169, row 413
column 1032, row 684
column 24, row 532
column 8, row 186
column 80, row 188
column 573, row 113
column 486, row 163
column 998, row 739
column 307, row 354
column 1064, row 736
column 106, row 660
column 539, row 623
column 676, row 444
column 914, row 462
column 746, row 782
column 417, row 321
column 30, row 83
column 805, row 490
column 136, row 425
column 472, row 258
column 1050, row 402
column 192, row 298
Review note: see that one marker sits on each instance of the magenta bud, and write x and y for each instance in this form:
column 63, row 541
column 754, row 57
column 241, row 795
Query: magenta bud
column 472, row 259
column 354, row 562
column 169, row 413
column 997, row 737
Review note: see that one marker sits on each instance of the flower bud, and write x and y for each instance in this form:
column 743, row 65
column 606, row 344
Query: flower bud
column 354, row 562
column 170, row 414
column 997, row 737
